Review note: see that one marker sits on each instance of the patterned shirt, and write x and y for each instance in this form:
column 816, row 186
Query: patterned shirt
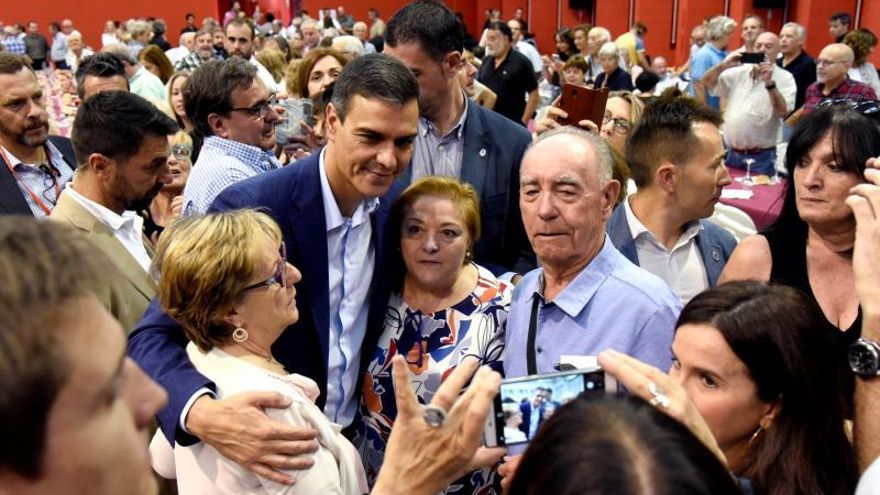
column 849, row 89
column 190, row 62
column 221, row 163
column 13, row 44
column 433, row 345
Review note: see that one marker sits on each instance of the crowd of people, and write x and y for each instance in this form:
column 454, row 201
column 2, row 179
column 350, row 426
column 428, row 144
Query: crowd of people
column 299, row 259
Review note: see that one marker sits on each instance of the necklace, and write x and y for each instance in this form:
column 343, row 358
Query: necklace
column 261, row 360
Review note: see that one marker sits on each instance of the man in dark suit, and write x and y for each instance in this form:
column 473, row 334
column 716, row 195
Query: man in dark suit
column 677, row 160
column 532, row 413
column 460, row 138
column 35, row 165
column 332, row 219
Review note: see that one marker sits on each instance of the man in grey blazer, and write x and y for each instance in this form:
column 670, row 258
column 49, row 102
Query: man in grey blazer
column 677, row 160
column 459, row 138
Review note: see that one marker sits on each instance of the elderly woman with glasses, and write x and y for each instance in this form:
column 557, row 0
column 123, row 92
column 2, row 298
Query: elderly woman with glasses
column 224, row 277
column 445, row 312
column 168, row 203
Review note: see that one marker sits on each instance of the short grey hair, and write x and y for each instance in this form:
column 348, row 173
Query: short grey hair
column 348, row 44
column 719, row 27
column 604, row 33
column 799, row 30
column 609, row 48
column 605, row 163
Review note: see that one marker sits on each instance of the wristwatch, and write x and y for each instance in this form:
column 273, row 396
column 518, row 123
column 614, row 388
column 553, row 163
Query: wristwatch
column 770, row 86
column 864, row 358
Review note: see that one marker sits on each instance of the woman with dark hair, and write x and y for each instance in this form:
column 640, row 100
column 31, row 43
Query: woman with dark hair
column 754, row 379
column 565, row 48
column 315, row 71
column 810, row 246
column 621, row 446
column 761, row 371
column 445, row 311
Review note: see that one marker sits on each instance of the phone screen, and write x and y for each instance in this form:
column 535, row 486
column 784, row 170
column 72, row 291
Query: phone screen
column 523, row 404
column 752, row 58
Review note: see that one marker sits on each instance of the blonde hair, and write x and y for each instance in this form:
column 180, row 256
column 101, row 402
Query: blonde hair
column 274, row 61
column 203, row 264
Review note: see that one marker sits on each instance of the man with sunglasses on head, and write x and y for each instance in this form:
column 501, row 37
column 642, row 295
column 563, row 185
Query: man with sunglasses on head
column 832, row 81
column 121, row 141
column 235, row 113
column 677, row 160
column 35, row 165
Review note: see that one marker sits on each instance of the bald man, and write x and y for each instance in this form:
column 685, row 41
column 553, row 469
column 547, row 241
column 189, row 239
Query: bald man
column 754, row 99
column 831, row 79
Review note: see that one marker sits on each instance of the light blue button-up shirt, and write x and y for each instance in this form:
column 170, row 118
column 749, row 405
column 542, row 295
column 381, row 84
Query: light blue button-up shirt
column 221, row 163
column 611, row 304
column 351, row 257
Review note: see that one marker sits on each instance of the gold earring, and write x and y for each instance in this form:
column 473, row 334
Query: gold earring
column 239, row 335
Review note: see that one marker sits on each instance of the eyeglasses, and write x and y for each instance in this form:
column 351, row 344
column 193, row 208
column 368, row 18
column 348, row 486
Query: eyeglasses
column 50, row 183
column 621, row 125
column 181, row 151
column 868, row 108
column 821, row 62
column 280, row 275
column 260, row 110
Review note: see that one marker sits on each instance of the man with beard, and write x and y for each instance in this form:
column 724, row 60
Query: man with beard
column 236, row 113
column 121, row 141
column 240, row 43
column 509, row 74
column 458, row 138
column 203, row 51
column 36, row 166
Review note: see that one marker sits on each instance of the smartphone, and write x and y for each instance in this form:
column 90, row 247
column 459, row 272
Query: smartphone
column 511, row 423
column 583, row 104
column 752, row 58
column 296, row 111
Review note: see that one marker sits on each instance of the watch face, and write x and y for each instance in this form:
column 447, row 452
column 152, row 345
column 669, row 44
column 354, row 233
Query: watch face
column 863, row 359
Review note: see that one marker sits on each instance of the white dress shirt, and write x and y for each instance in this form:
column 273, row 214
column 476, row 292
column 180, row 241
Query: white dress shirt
column 681, row 267
column 127, row 228
column 351, row 256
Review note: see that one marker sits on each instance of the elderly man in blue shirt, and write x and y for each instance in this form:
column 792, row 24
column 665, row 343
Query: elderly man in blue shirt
column 586, row 297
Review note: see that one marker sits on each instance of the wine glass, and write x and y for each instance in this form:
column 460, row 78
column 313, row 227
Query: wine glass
column 747, row 180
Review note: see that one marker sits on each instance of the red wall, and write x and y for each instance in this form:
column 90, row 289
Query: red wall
column 90, row 15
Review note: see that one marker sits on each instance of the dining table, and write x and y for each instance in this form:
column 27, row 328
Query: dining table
column 761, row 201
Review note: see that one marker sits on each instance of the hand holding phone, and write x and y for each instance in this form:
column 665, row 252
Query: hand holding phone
column 752, row 58
column 523, row 404
column 583, row 104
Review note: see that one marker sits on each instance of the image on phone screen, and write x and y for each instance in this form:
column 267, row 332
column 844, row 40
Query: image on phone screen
column 524, row 404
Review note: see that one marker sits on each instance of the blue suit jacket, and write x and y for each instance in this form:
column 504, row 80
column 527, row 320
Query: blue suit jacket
column 714, row 243
column 493, row 149
column 526, row 410
column 292, row 196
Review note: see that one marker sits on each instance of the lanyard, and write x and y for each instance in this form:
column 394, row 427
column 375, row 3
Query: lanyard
column 33, row 195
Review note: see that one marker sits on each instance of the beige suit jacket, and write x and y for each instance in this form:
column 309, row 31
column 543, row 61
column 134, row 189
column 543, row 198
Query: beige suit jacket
column 127, row 292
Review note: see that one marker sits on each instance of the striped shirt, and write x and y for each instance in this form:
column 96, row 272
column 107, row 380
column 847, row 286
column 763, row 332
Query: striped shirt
column 39, row 181
column 221, row 163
